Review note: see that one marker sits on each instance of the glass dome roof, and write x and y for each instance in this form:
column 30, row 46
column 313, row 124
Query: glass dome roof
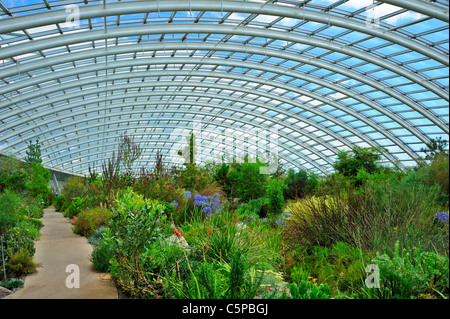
column 325, row 74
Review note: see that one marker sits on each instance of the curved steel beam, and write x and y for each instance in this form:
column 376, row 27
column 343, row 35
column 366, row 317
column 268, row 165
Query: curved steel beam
column 108, row 148
column 220, row 86
column 49, row 129
column 310, row 136
column 423, row 7
column 68, row 39
column 282, row 146
column 12, row 24
column 81, row 164
column 71, row 57
column 210, row 61
column 216, row 106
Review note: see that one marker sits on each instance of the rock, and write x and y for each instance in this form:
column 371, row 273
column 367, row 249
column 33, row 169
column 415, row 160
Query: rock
column 174, row 240
column 4, row 292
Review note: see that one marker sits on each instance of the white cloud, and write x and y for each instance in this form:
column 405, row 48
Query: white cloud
column 381, row 10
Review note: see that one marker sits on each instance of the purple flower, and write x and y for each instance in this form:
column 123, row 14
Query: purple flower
column 174, row 204
column 442, row 216
column 187, row 194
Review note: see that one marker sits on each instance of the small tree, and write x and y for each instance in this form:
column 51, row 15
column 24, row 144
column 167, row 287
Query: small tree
column 275, row 195
column 33, row 153
column 349, row 163
column 128, row 152
column 435, row 147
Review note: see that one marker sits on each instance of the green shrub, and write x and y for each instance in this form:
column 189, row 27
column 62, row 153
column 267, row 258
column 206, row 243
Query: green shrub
column 74, row 187
column 74, row 208
column 136, row 222
column 246, row 182
column 373, row 218
column 21, row 263
column 58, row 202
column 38, row 184
column 195, row 178
column 11, row 283
column 89, row 220
column 306, row 290
column 255, row 206
column 299, row 184
column 9, row 210
column 20, row 239
column 340, row 266
column 412, row 274
column 101, row 255
column 275, row 196
column 349, row 163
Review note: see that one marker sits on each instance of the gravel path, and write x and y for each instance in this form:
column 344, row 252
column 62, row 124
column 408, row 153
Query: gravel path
column 62, row 256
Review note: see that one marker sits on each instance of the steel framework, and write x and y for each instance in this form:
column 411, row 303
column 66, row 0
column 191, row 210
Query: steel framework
column 327, row 74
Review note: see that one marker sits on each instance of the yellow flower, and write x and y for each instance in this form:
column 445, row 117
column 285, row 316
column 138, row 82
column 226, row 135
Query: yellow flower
column 28, row 229
column 18, row 232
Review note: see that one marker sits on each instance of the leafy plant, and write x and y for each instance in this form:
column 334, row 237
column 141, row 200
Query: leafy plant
column 246, row 182
column 307, row 290
column 101, row 255
column 275, row 196
column 9, row 208
column 33, row 153
column 11, row 283
column 58, row 202
column 136, row 222
column 89, row 220
column 21, row 263
column 74, row 208
column 412, row 274
column 299, row 184
column 349, row 163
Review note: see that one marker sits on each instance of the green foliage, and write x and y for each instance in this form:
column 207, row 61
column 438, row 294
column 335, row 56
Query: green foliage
column 340, row 266
column 21, row 239
column 373, row 218
column 246, row 182
column 275, row 196
column 33, row 153
column 437, row 172
column 299, row 184
column 349, row 163
column 58, row 202
column 254, row 207
column 136, row 222
column 74, row 187
column 412, row 274
column 89, row 220
column 74, row 208
column 11, row 283
column 21, row 263
column 101, row 255
column 434, row 148
column 307, row 290
column 13, row 175
column 9, row 208
column 195, row 178
column 38, row 184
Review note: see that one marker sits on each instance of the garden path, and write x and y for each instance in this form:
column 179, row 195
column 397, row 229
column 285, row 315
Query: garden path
column 61, row 253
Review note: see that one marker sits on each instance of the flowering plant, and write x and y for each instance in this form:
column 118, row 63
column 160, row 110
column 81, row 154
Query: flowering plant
column 442, row 217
